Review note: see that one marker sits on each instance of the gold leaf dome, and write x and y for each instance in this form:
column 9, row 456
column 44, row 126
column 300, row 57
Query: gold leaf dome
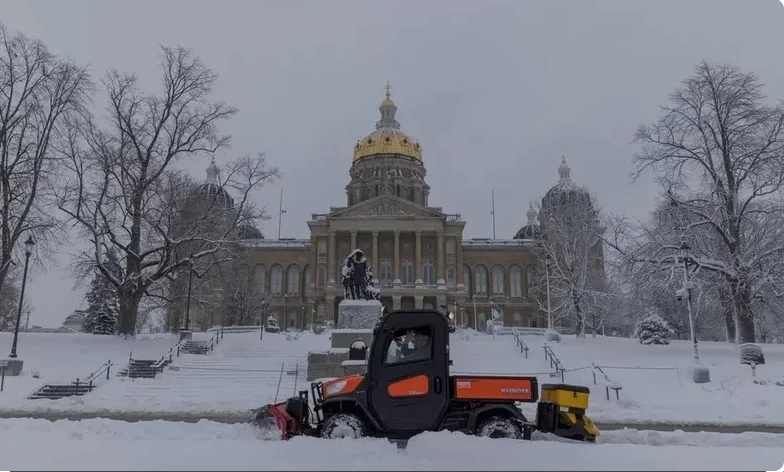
column 387, row 138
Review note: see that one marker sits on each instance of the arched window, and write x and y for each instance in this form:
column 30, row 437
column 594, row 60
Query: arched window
column 467, row 279
column 258, row 279
column 321, row 276
column 292, row 280
column 385, row 270
column 480, row 280
column 306, row 279
column 498, row 280
column 407, row 271
column 515, row 281
column 530, row 279
column 428, row 272
column 276, row 280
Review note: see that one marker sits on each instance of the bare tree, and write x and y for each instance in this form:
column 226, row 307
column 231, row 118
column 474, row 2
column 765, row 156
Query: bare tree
column 242, row 297
column 9, row 304
column 718, row 151
column 127, row 194
column 39, row 96
column 571, row 240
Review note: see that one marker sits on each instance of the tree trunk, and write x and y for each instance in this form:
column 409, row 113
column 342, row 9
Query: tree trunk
column 129, row 309
column 744, row 317
column 580, row 317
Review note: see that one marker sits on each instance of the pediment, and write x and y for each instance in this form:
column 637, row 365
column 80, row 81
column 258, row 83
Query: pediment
column 386, row 206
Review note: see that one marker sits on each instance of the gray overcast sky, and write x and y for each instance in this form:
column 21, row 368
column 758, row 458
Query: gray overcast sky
column 494, row 90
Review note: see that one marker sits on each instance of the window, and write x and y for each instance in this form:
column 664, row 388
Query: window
column 498, row 280
column 515, row 281
column 480, row 280
column 292, row 277
column 428, row 272
column 409, row 345
column 321, row 276
column 385, row 271
column 407, row 271
column 258, row 280
column 530, row 279
column 450, row 275
column 467, row 279
column 517, row 319
column 276, row 280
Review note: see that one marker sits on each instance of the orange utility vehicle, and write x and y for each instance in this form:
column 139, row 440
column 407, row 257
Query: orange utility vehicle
column 408, row 390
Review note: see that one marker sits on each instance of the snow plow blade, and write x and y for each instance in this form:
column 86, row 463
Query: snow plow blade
column 283, row 420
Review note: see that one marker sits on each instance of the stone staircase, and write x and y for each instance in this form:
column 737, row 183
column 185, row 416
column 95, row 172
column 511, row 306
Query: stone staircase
column 143, row 368
column 241, row 373
column 76, row 388
column 195, row 347
column 56, row 391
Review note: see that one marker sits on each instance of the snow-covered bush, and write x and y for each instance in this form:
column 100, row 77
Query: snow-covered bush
column 652, row 329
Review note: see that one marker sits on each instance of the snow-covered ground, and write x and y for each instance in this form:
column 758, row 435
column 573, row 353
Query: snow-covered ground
column 158, row 445
column 244, row 372
column 64, row 357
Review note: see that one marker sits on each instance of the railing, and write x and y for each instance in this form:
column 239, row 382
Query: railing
column 520, row 343
column 555, row 363
column 105, row 368
column 486, row 242
column 609, row 384
column 276, row 243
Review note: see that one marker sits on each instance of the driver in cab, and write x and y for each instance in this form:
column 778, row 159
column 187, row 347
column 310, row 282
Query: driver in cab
column 415, row 346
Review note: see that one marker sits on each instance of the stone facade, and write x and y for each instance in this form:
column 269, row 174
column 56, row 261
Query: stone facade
column 418, row 253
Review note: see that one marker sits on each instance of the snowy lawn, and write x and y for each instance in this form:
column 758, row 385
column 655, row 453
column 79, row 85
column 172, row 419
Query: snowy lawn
column 244, row 372
column 64, row 357
column 656, row 383
column 110, row 445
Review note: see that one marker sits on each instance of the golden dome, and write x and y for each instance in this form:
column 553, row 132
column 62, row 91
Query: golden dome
column 387, row 138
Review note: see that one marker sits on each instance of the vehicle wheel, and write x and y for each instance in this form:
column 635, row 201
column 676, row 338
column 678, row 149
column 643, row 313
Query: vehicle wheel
column 498, row 427
column 343, row 425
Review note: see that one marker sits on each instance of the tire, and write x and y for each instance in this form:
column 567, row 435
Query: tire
column 499, row 427
column 343, row 425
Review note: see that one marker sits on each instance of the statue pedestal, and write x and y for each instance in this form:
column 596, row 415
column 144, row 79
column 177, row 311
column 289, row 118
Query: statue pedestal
column 358, row 314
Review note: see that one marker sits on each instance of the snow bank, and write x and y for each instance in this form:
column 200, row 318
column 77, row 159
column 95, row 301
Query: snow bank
column 105, row 445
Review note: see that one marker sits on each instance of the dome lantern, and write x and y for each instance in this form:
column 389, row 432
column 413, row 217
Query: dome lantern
column 387, row 138
column 563, row 169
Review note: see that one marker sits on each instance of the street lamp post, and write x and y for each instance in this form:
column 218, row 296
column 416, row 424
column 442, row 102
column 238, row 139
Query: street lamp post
column 686, row 291
column 473, row 299
column 190, row 288
column 28, row 251
column 547, row 280
column 261, row 321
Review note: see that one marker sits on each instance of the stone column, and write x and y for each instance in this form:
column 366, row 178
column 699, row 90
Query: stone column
column 459, row 263
column 353, row 240
column 375, row 255
column 440, row 274
column 396, row 269
column 331, row 257
column 418, row 258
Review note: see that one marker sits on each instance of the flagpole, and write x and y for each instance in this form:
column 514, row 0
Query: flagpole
column 493, row 212
column 281, row 211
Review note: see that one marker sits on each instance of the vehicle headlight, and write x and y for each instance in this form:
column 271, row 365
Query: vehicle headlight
column 335, row 387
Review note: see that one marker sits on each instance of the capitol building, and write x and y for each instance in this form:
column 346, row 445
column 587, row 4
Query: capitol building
column 419, row 256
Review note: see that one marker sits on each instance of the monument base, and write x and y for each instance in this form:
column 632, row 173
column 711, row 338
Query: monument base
column 326, row 364
column 358, row 314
